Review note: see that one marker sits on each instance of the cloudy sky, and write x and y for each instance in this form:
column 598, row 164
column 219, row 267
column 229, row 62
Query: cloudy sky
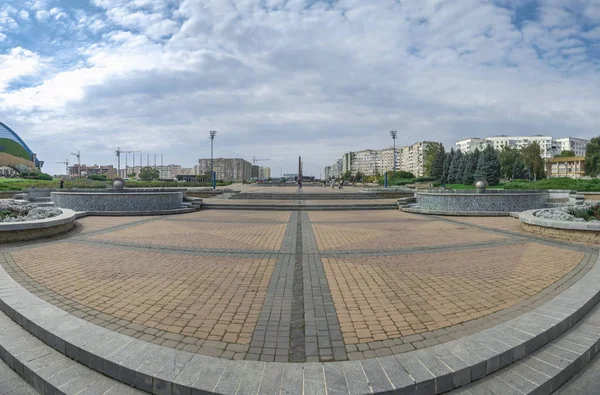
column 281, row 78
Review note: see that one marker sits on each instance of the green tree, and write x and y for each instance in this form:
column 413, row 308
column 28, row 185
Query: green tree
column 358, row 177
column 346, row 175
column 519, row 171
column 131, row 175
column 429, row 156
column 468, row 176
column 447, row 163
column 532, row 158
column 592, row 157
column 437, row 168
column 405, row 174
column 508, row 157
column 488, row 166
column 453, row 176
column 566, row 154
column 149, row 173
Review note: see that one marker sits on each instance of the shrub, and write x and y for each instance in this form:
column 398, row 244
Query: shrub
column 97, row 177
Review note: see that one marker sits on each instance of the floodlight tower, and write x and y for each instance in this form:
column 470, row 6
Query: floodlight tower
column 394, row 135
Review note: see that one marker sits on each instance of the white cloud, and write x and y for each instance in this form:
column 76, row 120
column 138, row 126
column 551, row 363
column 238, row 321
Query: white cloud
column 18, row 62
column 336, row 74
column 2, row 37
column 23, row 14
column 42, row 15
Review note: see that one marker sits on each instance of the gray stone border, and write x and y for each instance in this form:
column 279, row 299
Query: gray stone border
column 415, row 210
column 433, row 370
column 66, row 217
column 297, row 207
column 528, row 217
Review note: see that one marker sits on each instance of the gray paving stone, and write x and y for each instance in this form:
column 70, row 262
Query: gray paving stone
column 356, row 379
column 444, row 376
column 424, row 379
column 314, row 379
column 251, row 378
column 516, row 381
column 189, row 375
column 292, row 382
column 161, row 383
column 272, row 378
column 399, row 378
column 376, row 376
column 222, row 378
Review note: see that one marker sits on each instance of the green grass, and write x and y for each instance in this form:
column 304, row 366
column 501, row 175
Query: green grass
column 19, row 184
column 592, row 185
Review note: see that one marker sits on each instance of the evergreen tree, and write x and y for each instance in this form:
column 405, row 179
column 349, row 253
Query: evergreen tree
column 461, row 168
column 519, row 172
column 468, row 176
column 447, row 163
column 437, row 167
column 488, row 166
column 453, row 172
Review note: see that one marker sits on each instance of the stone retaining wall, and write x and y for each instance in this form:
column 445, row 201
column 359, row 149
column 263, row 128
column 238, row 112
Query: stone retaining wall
column 31, row 230
column 588, row 232
column 564, row 234
column 34, row 234
column 496, row 201
column 126, row 201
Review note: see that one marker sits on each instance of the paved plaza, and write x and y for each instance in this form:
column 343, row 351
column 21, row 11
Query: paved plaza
column 297, row 286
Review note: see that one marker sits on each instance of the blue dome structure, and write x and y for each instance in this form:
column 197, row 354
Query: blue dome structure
column 12, row 144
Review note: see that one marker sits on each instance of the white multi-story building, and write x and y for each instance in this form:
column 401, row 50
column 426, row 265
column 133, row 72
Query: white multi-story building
column 412, row 158
column 549, row 147
column 371, row 162
column 576, row 145
column 470, row 144
column 227, row 169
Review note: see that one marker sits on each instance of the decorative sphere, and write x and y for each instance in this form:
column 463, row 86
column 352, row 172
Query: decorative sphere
column 118, row 184
column 480, row 184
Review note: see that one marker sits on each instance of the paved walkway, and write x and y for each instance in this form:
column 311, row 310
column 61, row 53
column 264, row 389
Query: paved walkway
column 297, row 286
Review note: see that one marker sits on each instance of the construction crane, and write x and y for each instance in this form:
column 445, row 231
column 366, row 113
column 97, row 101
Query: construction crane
column 78, row 155
column 255, row 159
column 66, row 163
column 119, row 152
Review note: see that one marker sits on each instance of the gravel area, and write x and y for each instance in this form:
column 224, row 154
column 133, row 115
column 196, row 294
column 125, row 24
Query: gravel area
column 26, row 211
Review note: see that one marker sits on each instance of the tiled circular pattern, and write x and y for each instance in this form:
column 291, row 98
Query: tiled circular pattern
column 281, row 286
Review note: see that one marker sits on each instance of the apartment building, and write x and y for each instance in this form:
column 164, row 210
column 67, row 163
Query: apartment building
column 570, row 144
column 227, row 169
column 106, row 170
column 549, row 147
column 573, row 167
column 370, row 162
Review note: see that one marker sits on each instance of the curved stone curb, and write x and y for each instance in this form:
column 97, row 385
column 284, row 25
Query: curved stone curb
column 415, row 210
column 11, row 232
column 64, row 218
column 434, row 370
column 297, row 207
column 544, row 371
column 81, row 214
column 529, row 217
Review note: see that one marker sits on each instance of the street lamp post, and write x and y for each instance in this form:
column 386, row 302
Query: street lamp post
column 394, row 134
column 212, row 168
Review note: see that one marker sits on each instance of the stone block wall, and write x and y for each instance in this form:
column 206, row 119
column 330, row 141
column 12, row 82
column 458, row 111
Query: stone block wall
column 588, row 236
column 33, row 234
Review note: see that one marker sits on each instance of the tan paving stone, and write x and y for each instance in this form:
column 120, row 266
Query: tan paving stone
column 385, row 236
column 201, row 235
column 211, row 287
column 409, row 294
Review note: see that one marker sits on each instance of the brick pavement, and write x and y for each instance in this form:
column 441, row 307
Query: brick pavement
column 280, row 286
